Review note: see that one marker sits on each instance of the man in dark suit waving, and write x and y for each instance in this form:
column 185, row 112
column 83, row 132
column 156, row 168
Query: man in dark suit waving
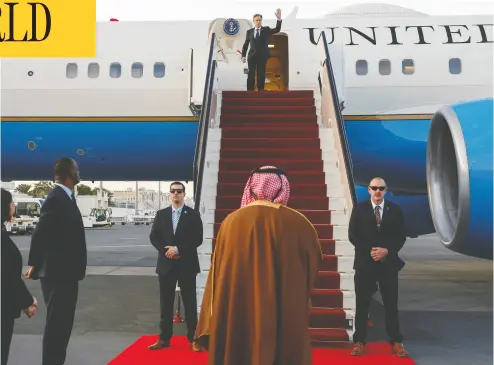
column 259, row 53
column 377, row 230
column 58, row 257
column 176, row 233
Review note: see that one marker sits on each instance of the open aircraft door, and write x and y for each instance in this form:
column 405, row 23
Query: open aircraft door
column 275, row 76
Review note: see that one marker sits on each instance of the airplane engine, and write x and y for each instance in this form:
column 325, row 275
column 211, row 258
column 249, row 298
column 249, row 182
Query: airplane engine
column 459, row 177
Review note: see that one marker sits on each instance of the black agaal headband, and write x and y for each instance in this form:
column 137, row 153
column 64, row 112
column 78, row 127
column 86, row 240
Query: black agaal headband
column 269, row 170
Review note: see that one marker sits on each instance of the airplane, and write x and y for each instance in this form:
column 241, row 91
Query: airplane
column 132, row 112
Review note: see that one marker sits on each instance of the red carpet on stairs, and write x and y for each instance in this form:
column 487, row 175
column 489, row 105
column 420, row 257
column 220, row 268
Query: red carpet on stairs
column 280, row 129
column 180, row 354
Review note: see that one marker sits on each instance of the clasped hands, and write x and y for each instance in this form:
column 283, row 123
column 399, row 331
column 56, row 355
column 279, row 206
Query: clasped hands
column 378, row 253
column 172, row 252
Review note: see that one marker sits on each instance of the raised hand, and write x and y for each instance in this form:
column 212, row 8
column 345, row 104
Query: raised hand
column 278, row 14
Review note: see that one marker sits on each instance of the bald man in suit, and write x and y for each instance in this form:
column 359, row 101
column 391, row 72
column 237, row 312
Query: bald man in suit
column 377, row 230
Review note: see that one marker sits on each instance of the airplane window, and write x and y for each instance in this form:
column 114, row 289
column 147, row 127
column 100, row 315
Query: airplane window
column 407, row 67
column 115, row 70
column 159, row 69
column 384, row 67
column 455, row 66
column 361, row 67
column 71, row 70
column 93, row 70
column 137, row 69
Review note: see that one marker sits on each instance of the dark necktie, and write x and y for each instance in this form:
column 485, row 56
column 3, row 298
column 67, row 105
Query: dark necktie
column 257, row 33
column 377, row 212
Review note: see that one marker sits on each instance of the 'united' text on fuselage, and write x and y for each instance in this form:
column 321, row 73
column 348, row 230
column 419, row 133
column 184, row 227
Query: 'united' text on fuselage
column 453, row 34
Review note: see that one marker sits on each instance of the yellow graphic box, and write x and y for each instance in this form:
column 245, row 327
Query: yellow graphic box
column 48, row 28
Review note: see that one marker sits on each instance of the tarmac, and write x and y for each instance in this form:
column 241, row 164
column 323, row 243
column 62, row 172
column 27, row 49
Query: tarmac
column 445, row 303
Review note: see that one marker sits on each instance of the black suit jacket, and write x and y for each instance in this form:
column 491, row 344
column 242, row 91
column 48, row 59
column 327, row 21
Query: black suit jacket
column 15, row 295
column 187, row 238
column 364, row 234
column 58, row 244
column 259, row 47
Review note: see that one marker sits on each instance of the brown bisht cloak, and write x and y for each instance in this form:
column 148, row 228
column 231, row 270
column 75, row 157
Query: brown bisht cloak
column 255, row 309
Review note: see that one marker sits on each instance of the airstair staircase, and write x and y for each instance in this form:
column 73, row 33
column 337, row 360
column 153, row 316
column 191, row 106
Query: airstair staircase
column 300, row 132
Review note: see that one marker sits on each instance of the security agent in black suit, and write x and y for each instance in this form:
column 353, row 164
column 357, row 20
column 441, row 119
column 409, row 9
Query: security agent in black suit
column 377, row 230
column 58, row 257
column 176, row 233
column 259, row 53
column 15, row 295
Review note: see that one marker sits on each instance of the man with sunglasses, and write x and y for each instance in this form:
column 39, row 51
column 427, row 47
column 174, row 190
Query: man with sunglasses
column 377, row 230
column 176, row 233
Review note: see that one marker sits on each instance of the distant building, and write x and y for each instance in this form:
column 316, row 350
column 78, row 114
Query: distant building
column 124, row 198
column 148, row 199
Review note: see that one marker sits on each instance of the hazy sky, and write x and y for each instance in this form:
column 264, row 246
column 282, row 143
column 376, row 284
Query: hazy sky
column 153, row 10
column 211, row 9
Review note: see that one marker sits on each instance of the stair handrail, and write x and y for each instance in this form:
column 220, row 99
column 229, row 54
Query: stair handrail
column 220, row 50
column 202, row 157
column 202, row 133
column 340, row 121
column 195, row 109
column 201, row 117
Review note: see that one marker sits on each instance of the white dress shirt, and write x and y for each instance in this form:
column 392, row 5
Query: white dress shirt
column 374, row 205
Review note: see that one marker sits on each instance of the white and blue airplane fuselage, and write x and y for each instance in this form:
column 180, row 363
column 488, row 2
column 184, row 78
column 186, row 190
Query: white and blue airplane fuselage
column 126, row 114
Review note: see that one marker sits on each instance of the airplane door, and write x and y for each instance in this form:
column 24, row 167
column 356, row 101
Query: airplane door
column 191, row 75
column 338, row 64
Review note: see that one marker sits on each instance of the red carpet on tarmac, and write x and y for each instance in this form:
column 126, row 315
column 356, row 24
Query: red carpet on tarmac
column 138, row 354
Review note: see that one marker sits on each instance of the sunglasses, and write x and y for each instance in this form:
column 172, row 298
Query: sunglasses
column 173, row 191
column 380, row 188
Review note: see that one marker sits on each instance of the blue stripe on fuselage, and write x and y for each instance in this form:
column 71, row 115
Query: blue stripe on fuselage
column 113, row 151
column 143, row 150
column 394, row 149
